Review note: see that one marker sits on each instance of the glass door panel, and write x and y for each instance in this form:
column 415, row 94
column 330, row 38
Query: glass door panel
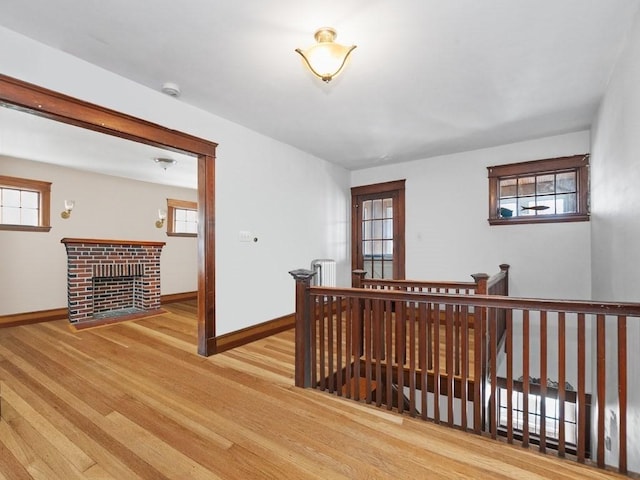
column 378, row 230
column 377, row 241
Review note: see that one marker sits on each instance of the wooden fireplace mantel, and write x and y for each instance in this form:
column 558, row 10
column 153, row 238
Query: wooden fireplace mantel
column 102, row 241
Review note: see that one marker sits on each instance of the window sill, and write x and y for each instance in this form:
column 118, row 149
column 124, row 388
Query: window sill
column 24, row 228
column 172, row 234
column 539, row 219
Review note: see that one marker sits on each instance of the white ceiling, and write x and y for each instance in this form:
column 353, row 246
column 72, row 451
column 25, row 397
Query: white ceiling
column 31, row 137
column 428, row 77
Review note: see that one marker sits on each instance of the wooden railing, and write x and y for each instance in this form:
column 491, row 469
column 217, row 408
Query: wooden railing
column 396, row 348
column 497, row 284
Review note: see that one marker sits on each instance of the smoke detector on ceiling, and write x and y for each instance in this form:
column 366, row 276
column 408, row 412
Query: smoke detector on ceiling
column 171, row 89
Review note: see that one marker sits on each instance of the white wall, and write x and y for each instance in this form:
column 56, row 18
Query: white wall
column 296, row 204
column 615, row 203
column 33, row 275
column 448, row 236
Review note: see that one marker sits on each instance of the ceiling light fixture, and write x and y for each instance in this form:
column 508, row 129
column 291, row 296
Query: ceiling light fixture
column 326, row 58
column 171, row 89
column 165, row 163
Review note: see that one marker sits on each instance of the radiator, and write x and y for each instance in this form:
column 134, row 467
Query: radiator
column 325, row 269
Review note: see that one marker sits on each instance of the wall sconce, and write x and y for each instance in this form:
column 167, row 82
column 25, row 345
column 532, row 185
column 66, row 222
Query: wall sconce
column 326, row 58
column 68, row 206
column 162, row 216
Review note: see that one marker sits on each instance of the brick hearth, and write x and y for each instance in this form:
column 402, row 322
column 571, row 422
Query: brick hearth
column 110, row 278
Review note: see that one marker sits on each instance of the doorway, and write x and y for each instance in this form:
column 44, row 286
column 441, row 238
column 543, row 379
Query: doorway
column 56, row 106
column 378, row 229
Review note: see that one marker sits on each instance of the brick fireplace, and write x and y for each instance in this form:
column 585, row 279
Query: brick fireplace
column 109, row 280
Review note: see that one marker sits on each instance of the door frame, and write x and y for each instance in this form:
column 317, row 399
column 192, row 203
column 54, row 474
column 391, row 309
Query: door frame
column 396, row 189
column 17, row 94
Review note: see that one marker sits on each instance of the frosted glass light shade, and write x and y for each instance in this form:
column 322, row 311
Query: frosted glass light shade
column 68, row 206
column 326, row 58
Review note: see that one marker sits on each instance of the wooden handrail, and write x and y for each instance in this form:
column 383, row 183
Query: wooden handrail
column 482, row 283
column 405, row 284
column 375, row 344
column 494, row 301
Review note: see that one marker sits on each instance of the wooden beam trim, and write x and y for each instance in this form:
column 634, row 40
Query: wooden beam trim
column 206, row 256
column 20, row 95
column 104, row 241
column 15, row 93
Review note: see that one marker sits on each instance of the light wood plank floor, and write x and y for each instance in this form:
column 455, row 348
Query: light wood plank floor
column 133, row 400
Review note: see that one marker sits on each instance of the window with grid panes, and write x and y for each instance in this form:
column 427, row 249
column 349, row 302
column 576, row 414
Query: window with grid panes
column 24, row 204
column 377, row 237
column 182, row 218
column 536, row 415
column 550, row 190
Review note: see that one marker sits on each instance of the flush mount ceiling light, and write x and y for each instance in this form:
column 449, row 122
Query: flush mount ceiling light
column 165, row 163
column 171, row 89
column 326, row 58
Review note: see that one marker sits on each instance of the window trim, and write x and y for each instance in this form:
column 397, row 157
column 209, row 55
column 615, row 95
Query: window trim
column 44, row 214
column 577, row 163
column 172, row 204
column 570, row 397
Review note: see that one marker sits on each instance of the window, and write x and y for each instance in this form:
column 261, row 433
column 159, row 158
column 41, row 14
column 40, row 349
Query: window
column 25, row 204
column 182, row 218
column 551, row 190
column 551, row 413
column 377, row 233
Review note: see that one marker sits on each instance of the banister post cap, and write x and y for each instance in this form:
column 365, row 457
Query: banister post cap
column 302, row 274
column 479, row 276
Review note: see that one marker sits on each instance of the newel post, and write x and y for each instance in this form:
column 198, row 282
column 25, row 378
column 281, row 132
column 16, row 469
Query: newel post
column 356, row 278
column 504, row 267
column 481, row 282
column 303, row 326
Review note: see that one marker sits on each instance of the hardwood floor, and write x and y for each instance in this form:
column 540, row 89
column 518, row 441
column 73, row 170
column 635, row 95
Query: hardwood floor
column 133, row 400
